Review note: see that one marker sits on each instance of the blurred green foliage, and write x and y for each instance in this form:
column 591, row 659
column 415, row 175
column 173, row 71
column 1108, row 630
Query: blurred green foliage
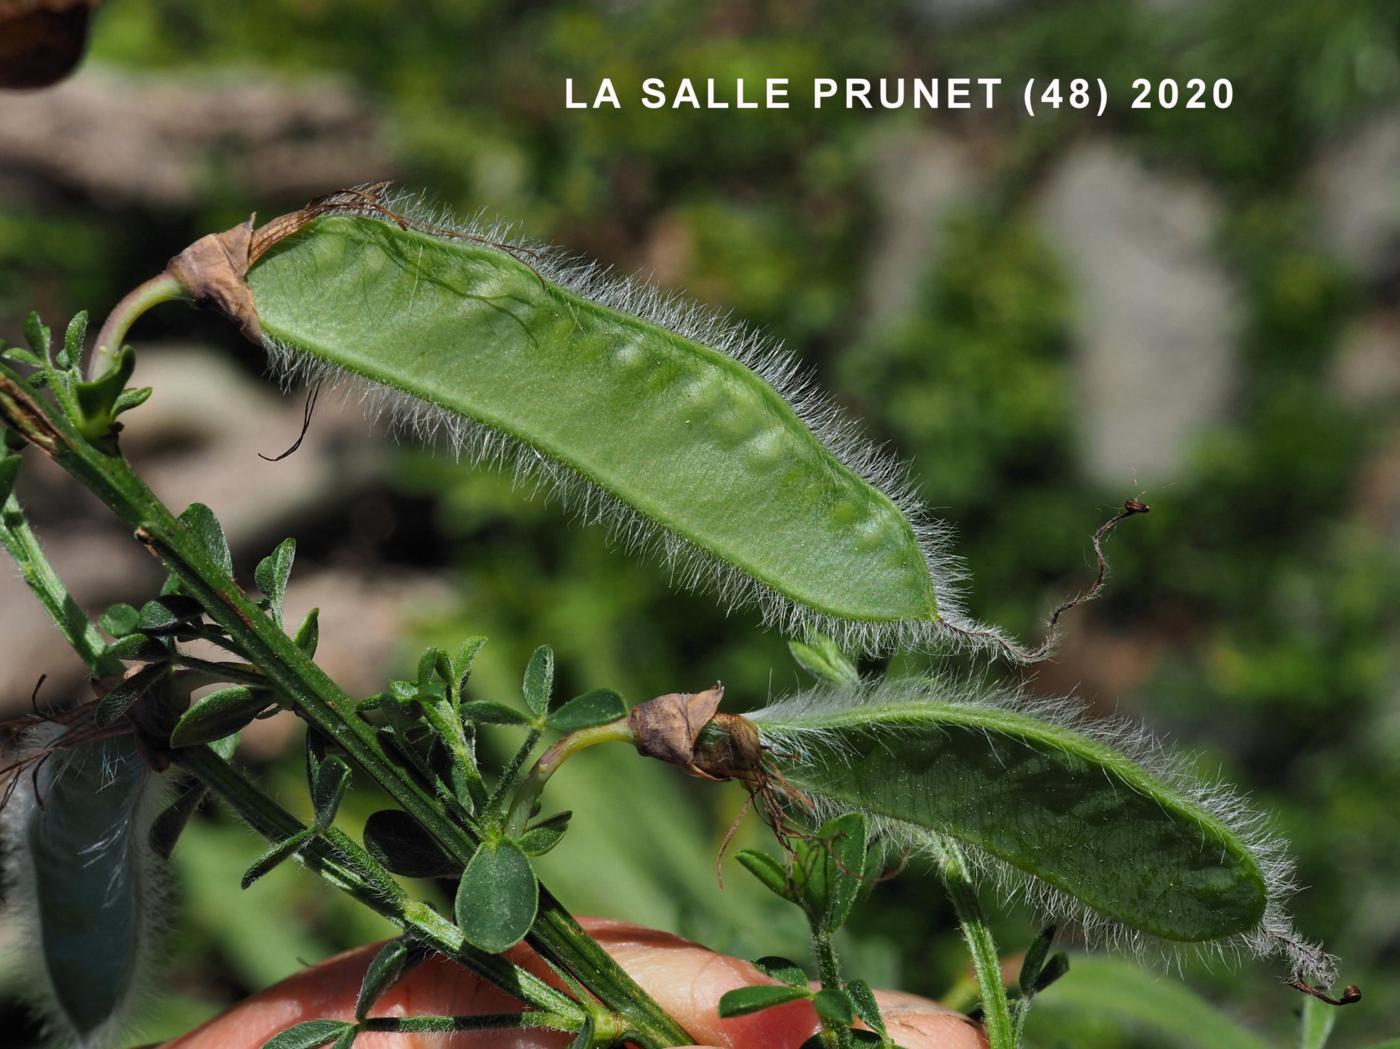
column 1260, row 593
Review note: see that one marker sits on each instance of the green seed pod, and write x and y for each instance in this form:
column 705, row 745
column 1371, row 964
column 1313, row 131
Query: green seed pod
column 1094, row 822
column 679, row 430
column 82, row 883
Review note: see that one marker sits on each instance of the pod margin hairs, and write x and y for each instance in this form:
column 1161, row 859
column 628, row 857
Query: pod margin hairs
column 781, row 727
column 689, row 566
column 20, row 881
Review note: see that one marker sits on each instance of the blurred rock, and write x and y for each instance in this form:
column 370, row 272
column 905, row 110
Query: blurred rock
column 1156, row 316
column 918, row 177
column 163, row 141
column 1356, row 187
column 1366, row 368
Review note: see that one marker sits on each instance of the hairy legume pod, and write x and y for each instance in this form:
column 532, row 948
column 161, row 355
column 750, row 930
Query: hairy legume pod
column 83, row 885
column 678, row 429
column 1093, row 820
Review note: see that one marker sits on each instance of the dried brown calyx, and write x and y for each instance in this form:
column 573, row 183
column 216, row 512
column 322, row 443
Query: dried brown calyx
column 213, row 271
column 685, row 729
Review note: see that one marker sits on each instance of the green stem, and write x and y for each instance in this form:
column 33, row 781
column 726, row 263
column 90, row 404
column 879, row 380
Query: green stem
column 532, row 785
column 829, row 973
column 23, row 545
column 996, row 1011
column 510, row 775
column 161, row 288
column 556, row 934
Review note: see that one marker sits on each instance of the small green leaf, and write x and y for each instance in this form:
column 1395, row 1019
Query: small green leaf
column 37, row 334
column 23, row 356
column 744, row 1000
column 830, row 869
column 820, row 657
column 544, row 835
column 138, row 647
column 131, row 398
column 315, row 752
column 783, row 970
column 9, row 470
column 1034, row 960
column 219, row 714
column 497, row 897
column 490, row 713
column 347, row 1038
column 1054, row 969
column 442, row 666
column 387, row 967
column 120, row 620
column 332, row 781
column 834, row 1007
column 72, row 351
column 466, row 655
column 200, row 520
column 126, row 692
column 309, row 1034
column 434, row 672
column 597, row 707
column 308, row 635
column 272, row 574
column 277, row 855
column 539, row 679
column 767, row 870
column 847, row 866
column 168, row 614
column 395, row 839
column 867, row 1008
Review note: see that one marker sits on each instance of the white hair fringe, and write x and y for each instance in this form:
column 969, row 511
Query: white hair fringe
column 791, row 726
column 689, row 566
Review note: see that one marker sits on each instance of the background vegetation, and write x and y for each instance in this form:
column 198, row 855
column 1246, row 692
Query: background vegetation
column 1253, row 615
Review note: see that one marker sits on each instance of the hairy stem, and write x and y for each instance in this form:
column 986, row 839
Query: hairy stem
column 556, row 934
column 996, row 1011
column 19, row 539
column 829, row 973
